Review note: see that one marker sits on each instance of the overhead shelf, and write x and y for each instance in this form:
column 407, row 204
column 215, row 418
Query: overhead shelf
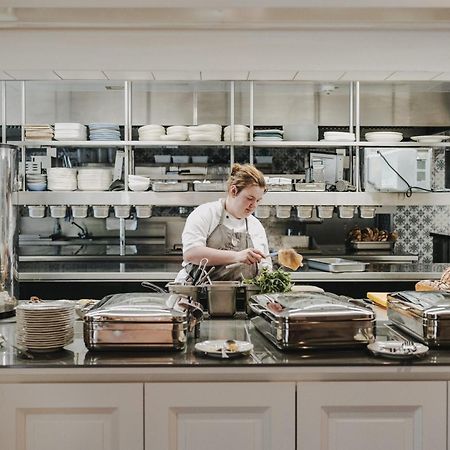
column 192, row 198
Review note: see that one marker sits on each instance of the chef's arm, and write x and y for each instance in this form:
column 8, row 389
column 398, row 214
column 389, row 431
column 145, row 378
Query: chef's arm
column 222, row 257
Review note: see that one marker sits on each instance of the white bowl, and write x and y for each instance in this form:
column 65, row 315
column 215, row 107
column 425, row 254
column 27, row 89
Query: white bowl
column 138, row 186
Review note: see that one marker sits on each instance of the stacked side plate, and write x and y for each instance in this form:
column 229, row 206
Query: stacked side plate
column 45, row 325
column 205, row 132
column 94, row 179
column 70, row 132
column 152, row 132
column 61, row 179
column 339, row 136
column 104, row 132
column 383, row 136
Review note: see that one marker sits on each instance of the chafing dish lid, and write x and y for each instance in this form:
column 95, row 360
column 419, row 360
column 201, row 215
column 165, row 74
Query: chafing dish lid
column 429, row 304
column 137, row 307
column 306, row 306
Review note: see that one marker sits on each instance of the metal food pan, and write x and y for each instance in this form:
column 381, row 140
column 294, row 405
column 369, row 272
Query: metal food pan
column 336, row 265
column 161, row 186
column 207, row 187
column 279, row 187
column 372, row 245
column 310, row 187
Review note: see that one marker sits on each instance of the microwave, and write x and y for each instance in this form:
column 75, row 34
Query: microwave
column 390, row 169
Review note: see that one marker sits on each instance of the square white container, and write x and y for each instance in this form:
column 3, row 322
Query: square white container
column 325, row 211
column 58, row 211
column 262, row 211
column 180, row 159
column 200, row 159
column 304, row 212
column 367, row 212
column 346, row 212
column 283, row 211
column 101, row 211
column 143, row 211
column 122, row 211
column 79, row 211
column 36, row 212
column 163, row 159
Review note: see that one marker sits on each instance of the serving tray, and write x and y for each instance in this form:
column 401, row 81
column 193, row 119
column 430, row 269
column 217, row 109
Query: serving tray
column 336, row 265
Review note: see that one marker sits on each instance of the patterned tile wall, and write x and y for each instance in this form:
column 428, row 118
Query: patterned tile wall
column 414, row 223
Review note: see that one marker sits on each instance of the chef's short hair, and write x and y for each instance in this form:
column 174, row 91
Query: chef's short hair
column 246, row 175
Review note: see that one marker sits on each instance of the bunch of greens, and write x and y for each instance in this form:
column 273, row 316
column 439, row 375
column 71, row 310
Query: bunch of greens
column 272, row 281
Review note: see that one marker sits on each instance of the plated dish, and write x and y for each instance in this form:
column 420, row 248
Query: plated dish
column 398, row 349
column 214, row 348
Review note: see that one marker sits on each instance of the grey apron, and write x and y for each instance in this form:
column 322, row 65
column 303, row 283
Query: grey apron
column 223, row 238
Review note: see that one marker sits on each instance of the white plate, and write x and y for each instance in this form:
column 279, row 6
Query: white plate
column 383, row 136
column 214, row 348
column 397, row 349
column 430, row 139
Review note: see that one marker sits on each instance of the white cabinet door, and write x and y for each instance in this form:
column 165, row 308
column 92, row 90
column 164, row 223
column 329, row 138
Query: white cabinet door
column 372, row 415
column 220, row 416
column 71, row 417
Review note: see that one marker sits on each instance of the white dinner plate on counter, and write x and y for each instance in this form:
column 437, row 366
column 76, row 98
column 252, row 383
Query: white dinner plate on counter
column 214, row 348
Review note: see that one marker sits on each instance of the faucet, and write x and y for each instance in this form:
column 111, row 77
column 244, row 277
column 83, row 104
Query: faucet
column 84, row 233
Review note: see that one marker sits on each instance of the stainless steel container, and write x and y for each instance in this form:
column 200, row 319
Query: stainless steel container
column 189, row 290
column 336, row 265
column 8, row 221
column 137, row 321
column 312, row 320
column 424, row 315
column 222, row 298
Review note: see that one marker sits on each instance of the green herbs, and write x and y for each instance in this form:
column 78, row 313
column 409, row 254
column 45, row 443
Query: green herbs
column 272, row 281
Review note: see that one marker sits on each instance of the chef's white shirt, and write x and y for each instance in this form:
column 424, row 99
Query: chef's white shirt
column 203, row 221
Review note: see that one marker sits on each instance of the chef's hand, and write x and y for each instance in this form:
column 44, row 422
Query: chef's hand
column 250, row 256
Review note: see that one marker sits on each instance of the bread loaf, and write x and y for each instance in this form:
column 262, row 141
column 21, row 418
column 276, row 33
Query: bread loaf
column 427, row 285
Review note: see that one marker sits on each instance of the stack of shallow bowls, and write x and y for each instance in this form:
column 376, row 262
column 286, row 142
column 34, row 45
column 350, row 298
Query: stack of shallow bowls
column 45, row 326
column 339, row 136
column 138, row 182
column 151, row 132
column 241, row 133
column 104, row 132
column 61, row 179
column 36, row 182
column 383, row 136
column 176, row 133
column 206, row 132
column 91, row 179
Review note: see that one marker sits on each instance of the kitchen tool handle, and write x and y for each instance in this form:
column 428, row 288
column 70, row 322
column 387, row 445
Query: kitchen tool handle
column 232, row 266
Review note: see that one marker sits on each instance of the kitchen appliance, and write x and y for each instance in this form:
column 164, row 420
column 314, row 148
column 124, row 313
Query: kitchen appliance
column 303, row 320
column 141, row 321
column 326, row 167
column 424, row 315
column 393, row 169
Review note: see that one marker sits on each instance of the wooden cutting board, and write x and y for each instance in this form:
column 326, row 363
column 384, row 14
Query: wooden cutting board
column 380, row 298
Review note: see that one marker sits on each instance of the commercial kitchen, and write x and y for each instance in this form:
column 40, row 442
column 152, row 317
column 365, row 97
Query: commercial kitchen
column 117, row 120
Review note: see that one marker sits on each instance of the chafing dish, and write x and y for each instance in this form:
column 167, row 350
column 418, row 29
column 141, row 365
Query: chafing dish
column 140, row 321
column 312, row 320
column 424, row 315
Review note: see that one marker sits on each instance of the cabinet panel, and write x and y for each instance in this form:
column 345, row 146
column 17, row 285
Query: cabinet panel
column 220, row 416
column 71, row 416
column 371, row 415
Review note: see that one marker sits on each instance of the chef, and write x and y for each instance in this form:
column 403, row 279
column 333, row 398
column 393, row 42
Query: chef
column 225, row 233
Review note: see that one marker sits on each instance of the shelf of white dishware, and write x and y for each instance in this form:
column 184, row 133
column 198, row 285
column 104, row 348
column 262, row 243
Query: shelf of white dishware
column 192, row 198
column 272, row 144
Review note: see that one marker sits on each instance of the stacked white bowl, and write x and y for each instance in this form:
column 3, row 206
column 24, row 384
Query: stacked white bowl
column 176, row 133
column 241, row 133
column 36, row 182
column 206, row 132
column 94, row 179
column 138, row 182
column 61, row 179
column 70, row 132
column 151, row 132
column 383, row 136
column 339, row 136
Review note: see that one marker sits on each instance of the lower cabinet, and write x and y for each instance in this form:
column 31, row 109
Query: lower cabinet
column 71, row 417
column 220, row 416
column 372, row 415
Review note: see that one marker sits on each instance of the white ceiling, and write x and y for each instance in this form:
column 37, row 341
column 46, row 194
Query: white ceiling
column 221, row 40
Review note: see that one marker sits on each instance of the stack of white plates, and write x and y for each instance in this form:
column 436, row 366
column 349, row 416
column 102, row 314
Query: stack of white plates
column 241, row 133
column 61, row 179
column 206, row 132
column 94, row 179
column 430, row 139
column 36, row 182
column 38, row 132
column 176, row 133
column 45, row 325
column 268, row 135
column 104, row 132
column 151, row 132
column 70, row 132
column 339, row 136
column 383, row 136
